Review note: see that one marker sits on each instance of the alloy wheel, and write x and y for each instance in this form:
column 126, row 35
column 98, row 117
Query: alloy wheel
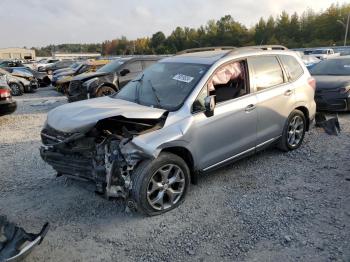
column 166, row 187
column 295, row 131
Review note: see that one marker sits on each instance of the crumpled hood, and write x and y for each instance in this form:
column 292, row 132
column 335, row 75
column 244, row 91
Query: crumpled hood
column 83, row 115
column 331, row 82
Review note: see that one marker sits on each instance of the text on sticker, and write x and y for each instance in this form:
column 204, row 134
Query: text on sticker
column 183, row 78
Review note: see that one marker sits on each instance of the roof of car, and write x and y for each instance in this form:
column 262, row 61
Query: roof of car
column 210, row 57
column 204, row 57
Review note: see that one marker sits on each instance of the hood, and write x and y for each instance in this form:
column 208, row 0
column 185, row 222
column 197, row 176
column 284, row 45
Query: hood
column 331, row 82
column 84, row 115
column 64, row 79
column 65, row 73
column 20, row 79
column 86, row 76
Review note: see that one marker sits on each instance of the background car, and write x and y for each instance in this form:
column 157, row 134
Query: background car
column 42, row 77
column 58, row 65
column 109, row 78
column 332, row 84
column 310, row 61
column 62, row 80
column 41, row 65
column 7, row 104
column 18, row 85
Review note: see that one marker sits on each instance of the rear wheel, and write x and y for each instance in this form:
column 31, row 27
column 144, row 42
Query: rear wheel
column 105, row 91
column 160, row 185
column 16, row 89
column 294, row 131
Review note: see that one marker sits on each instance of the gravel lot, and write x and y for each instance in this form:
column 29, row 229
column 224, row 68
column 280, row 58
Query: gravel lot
column 273, row 206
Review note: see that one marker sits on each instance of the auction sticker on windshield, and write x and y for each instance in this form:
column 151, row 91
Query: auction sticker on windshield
column 183, row 78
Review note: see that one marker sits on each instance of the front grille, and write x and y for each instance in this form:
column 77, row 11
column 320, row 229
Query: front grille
column 74, row 87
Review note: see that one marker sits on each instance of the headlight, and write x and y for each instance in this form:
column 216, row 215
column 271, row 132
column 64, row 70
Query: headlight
column 344, row 90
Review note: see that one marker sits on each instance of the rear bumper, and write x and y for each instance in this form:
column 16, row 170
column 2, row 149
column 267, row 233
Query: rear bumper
column 7, row 107
column 334, row 104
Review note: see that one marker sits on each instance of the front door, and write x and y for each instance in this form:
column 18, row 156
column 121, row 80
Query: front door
column 232, row 130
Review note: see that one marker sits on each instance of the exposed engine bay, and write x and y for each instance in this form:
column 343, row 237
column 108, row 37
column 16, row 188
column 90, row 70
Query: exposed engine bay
column 105, row 154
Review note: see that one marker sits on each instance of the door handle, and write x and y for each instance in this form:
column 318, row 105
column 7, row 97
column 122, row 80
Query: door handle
column 288, row 93
column 250, row 108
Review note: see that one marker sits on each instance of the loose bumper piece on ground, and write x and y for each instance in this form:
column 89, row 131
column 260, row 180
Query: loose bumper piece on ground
column 15, row 242
column 330, row 126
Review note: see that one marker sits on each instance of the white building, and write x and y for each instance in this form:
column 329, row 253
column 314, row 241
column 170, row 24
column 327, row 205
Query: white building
column 17, row 53
column 75, row 55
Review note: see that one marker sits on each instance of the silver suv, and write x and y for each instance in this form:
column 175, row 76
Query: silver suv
column 185, row 115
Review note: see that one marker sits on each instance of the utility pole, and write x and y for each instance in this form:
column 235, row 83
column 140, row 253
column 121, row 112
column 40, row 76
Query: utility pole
column 346, row 26
column 346, row 30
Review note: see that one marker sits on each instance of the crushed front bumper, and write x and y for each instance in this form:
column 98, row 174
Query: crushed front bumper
column 68, row 164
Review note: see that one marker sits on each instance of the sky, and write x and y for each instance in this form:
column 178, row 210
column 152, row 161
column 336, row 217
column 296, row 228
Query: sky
column 41, row 22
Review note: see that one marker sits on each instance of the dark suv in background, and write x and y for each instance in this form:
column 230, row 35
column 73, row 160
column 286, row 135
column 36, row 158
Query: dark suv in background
column 109, row 78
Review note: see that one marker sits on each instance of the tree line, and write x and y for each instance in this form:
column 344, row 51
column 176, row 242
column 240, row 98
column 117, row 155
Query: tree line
column 309, row 29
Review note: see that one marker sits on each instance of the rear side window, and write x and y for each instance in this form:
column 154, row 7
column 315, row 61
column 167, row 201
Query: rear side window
column 292, row 66
column 267, row 71
column 134, row 67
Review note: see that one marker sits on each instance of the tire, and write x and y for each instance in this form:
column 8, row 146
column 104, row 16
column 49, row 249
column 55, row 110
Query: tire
column 105, row 91
column 145, row 190
column 16, row 89
column 295, row 126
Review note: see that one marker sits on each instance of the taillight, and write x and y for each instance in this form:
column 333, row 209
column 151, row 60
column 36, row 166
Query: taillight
column 312, row 82
column 4, row 93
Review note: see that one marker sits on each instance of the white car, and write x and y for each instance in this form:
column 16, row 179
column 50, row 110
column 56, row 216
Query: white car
column 324, row 53
column 40, row 66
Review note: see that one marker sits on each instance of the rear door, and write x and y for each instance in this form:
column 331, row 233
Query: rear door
column 135, row 68
column 275, row 96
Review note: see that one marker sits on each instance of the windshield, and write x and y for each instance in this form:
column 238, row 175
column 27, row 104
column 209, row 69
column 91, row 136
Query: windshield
column 112, row 66
column 332, row 67
column 320, row 51
column 163, row 85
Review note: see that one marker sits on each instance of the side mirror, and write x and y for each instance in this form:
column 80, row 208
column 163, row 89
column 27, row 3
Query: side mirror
column 124, row 72
column 209, row 104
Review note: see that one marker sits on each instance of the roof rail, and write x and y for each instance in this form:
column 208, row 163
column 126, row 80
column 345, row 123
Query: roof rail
column 209, row 48
column 268, row 47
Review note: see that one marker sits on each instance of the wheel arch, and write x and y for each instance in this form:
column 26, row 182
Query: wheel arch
column 106, row 84
column 187, row 156
column 306, row 114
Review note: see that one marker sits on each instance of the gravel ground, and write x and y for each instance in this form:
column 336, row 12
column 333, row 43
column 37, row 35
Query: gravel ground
column 273, row 206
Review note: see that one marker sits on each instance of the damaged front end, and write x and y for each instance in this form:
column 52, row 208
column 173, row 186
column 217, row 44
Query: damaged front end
column 105, row 154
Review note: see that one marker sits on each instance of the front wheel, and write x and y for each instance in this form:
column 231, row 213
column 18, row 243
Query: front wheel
column 105, row 91
column 293, row 132
column 16, row 89
column 160, row 185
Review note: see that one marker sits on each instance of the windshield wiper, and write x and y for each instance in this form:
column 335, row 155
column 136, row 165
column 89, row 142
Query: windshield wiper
column 155, row 94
